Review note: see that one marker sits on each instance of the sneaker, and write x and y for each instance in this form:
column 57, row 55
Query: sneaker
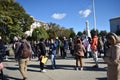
column 81, row 68
column 25, row 78
column 43, row 71
column 76, row 68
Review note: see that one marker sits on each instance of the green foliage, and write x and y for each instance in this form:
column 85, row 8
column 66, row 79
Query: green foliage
column 103, row 33
column 39, row 33
column 79, row 33
column 58, row 31
column 14, row 18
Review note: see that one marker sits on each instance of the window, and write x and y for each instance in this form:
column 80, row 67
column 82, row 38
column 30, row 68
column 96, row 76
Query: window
column 118, row 27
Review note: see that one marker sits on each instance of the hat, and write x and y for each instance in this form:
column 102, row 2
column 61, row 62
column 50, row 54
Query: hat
column 15, row 38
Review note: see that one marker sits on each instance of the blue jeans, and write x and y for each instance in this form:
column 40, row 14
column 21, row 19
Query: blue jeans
column 53, row 61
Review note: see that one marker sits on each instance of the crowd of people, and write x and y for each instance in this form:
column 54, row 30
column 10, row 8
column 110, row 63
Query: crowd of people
column 80, row 47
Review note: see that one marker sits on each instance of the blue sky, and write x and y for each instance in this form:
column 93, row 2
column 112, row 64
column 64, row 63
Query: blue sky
column 73, row 13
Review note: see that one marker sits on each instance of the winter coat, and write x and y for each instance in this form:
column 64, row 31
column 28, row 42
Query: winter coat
column 53, row 48
column 113, row 61
column 80, row 50
column 94, row 44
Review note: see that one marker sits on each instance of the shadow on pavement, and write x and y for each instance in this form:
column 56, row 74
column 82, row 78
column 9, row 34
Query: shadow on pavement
column 5, row 77
column 101, row 78
column 87, row 68
column 65, row 67
column 94, row 62
column 34, row 66
column 12, row 68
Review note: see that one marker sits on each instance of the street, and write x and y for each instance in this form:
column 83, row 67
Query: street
column 65, row 70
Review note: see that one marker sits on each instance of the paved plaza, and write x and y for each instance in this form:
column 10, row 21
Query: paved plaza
column 65, row 70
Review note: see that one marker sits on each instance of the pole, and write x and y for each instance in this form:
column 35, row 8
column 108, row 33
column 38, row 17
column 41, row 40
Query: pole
column 94, row 15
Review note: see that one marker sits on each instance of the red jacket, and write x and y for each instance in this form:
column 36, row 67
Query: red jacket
column 94, row 43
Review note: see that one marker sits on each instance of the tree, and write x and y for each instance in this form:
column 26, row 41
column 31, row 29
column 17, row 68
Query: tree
column 79, row 33
column 13, row 19
column 58, row 31
column 39, row 33
column 103, row 33
column 72, row 33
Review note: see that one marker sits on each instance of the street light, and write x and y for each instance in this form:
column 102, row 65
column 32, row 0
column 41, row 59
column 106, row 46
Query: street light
column 94, row 15
column 37, row 35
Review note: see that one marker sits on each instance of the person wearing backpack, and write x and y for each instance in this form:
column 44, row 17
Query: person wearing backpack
column 24, row 52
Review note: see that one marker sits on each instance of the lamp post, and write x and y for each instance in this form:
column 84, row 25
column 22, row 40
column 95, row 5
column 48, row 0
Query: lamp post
column 94, row 15
column 37, row 35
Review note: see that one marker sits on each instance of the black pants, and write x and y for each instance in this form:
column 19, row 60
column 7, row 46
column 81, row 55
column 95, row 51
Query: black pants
column 1, row 75
column 41, row 65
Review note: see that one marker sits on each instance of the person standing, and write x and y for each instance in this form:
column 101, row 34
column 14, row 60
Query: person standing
column 80, row 51
column 57, row 42
column 16, row 45
column 2, row 49
column 24, row 52
column 53, row 47
column 42, row 48
column 112, row 57
column 71, row 46
column 65, row 47
column 94, row 50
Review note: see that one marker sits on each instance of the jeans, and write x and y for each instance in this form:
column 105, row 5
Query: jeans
column 95, row 57
column 23, row 67
column 53, row 61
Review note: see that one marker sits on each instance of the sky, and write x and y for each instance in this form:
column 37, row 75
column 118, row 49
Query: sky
column 73, row 13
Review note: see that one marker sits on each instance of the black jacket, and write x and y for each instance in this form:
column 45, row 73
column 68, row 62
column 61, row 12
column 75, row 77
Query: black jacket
column 42, row 48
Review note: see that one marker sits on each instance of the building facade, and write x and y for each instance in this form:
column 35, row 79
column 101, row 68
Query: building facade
column 115, row 24
column 36, row 24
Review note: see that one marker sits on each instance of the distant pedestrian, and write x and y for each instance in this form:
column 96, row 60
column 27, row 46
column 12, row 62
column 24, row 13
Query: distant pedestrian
column 16, row 45
column 112, row 57
column 42, row 48
column 53, row 47
column 94, row 44
column 80, row 51
column 1, row 70
column 71, row 46
column 65, row 47
column 2, row 49
column 24, row 52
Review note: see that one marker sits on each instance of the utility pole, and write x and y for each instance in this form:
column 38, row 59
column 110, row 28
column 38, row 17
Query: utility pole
column 94, row 15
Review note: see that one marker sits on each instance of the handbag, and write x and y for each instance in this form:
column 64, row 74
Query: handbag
column 44, row 59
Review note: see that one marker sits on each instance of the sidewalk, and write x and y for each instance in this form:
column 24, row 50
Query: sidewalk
column 65, row 70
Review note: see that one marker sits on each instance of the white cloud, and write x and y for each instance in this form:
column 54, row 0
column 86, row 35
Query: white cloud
column 85, row 13
column 58, row 16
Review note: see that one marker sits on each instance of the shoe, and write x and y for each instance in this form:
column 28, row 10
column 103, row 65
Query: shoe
column 95, row 66
column 25, row 78
column 76, row 68
column 81, row 68
column 43, row 71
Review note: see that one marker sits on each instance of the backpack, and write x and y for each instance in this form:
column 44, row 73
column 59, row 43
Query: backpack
column 24, row 50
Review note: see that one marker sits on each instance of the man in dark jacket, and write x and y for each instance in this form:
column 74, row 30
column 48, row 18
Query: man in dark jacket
column 2, row 49
column 42, row 48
